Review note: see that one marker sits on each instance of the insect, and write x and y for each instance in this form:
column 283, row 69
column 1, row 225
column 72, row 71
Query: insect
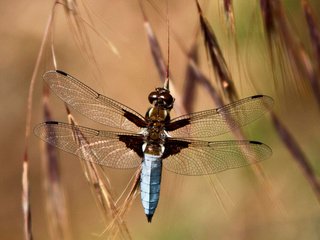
column 155, row 140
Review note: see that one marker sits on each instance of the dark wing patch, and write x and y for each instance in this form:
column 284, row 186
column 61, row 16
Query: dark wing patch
column 177, row 124
column 133, row 142
column 172, row 147
column 134, row 118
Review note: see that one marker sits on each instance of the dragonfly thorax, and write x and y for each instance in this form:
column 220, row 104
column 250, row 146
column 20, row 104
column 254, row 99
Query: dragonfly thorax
column 157, row 115
column 156, row 119
column 153, row 149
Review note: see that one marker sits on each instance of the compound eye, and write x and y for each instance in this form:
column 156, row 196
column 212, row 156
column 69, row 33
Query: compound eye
column 153, row 96
column 167, row 99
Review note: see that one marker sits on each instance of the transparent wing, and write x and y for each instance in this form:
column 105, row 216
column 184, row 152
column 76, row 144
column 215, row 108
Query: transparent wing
column 202, row 158
column 91, row 104
column 111, row 149
column 221, row 120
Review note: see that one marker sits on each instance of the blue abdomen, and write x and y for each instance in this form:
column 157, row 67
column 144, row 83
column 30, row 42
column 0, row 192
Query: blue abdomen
column 150, row 183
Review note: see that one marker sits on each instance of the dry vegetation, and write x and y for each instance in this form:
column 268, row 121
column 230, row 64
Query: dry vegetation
column 220, row 51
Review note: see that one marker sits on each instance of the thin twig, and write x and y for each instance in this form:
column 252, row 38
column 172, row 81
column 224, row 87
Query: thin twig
column 25, row 172
column 190, row 80
column 96, row 178
column 258, row 171
column 298, row 154
column 229, row 12
column 56, row 204
column 276, row 25
column 314, row 30
column 219, row 64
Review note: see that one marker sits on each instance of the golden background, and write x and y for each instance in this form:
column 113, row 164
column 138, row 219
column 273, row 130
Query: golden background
column 188, row 207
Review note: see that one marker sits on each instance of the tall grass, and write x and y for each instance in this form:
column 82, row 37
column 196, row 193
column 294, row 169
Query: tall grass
column 208, row 70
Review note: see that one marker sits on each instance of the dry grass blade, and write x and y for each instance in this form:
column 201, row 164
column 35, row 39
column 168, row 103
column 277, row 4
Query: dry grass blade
column 314, row 30
column 99, row 183
column 218, row 62
column 134, row 191
column 25, row 168
column 27, row 220
column 190, row 80
column 194, row 76
column 55, row 200
column 78, row 28
column 155, row 47
column 212, row 181
column 268, row 18
column 73, row 13
column 258, row 171
column 277, row 25
column 80, row 34
column 132, row 194
column 205, row 82
column 228, row 9
column 102, row 191
column 295, row 150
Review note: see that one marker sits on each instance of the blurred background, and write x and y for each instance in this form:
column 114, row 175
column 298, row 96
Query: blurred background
column 229, row 205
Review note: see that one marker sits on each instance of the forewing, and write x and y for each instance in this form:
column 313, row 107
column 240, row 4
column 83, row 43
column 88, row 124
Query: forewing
column 111, row 149
column 202, row 158
column 214, row 122
column 92, row 104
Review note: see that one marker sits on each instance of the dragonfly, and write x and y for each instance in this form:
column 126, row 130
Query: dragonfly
column 153, row 141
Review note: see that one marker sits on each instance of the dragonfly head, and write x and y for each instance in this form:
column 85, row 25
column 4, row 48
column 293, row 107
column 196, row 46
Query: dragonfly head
column 161, row 97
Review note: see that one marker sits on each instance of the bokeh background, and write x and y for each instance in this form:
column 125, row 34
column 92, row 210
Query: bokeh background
column 229, row 205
